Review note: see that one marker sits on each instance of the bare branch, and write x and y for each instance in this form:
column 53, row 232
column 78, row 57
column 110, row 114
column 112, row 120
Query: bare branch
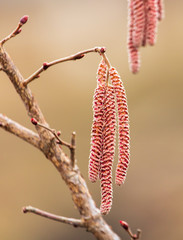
column 16, row 31
column 76, row 56
column 71, row 221
column 20, row 131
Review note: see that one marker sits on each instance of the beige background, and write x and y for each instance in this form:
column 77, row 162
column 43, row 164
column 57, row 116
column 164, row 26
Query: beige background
column 152, row 197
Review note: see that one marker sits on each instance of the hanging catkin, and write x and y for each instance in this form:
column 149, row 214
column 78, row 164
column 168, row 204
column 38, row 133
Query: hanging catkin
column 143, row 16
column 133, row 52
column 97, row 126
column 123, row 127
column 103, row 134
column 107, row 157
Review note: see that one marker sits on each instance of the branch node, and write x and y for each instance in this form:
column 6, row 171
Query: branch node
column 45, row 66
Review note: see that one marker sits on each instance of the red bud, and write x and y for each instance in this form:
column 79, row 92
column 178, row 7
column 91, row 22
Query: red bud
column 79, row 56
column 24, row 210
column 45, row 65
column 58, row 133
column 102, row 50
column 34, row 121
column 124, row 224
column 24, row 19
column 19, row 31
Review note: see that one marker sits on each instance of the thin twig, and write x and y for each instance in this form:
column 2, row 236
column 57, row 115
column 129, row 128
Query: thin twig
column 73, row 147
column 106, row 60
column 59, row 140
column 76, row 56
column 16, row 31
column 72, row 221
column 127, row 228
column 20, row 131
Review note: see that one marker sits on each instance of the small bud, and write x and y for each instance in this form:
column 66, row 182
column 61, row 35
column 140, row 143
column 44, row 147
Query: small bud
column 19, row 31
column 124, row 225
column 34, row 121
column 24, row 19
column 37, row 76
column 45, row 65
column 103, row 50
column 79, row 56
column 58, row 133
column 24, row 210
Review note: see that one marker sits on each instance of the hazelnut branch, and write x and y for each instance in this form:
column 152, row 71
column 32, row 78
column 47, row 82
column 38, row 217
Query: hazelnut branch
column 76, row 56
column 16, row 31
column 71, row 221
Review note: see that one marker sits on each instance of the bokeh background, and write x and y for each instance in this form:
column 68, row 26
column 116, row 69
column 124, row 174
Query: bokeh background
column 152, row 197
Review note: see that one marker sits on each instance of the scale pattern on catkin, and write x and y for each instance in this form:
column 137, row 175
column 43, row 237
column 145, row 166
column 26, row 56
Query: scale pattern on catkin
column 97, row 126
column 139, row 22
column 107, row 157
column 96, row 133
column 160, row 10
column 123, row 127
column 152, row 21
column 133, row 52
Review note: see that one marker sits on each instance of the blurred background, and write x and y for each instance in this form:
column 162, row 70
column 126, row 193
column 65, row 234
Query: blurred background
column 152, row 197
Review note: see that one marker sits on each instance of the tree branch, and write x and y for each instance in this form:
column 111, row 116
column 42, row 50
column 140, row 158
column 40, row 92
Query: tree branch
column 46, row 65
column 20, row 131
column 71, row 175
column 70, row 221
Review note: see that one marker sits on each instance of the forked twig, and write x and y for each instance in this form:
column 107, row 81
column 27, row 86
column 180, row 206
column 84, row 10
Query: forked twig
column 59, row 140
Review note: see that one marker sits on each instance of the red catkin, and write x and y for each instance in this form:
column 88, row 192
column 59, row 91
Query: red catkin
column 108, row 137
column 152, row 21
column 123, row 127
column 97, row 126
column 139, row 22
column 133, row 52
